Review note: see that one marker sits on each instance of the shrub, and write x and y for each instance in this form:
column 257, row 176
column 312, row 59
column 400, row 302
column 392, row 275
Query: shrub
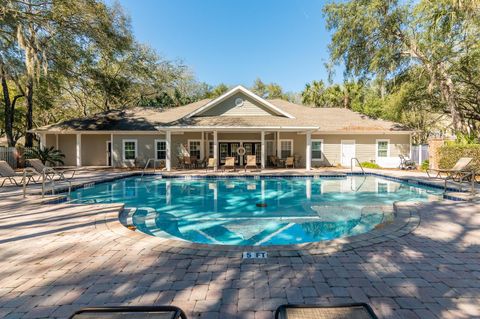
column 48, row 155
column 449, row 154
column 425, row 165
column 370, row 165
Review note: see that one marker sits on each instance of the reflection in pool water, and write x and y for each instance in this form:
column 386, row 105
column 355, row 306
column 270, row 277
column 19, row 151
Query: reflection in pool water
column 263, row 211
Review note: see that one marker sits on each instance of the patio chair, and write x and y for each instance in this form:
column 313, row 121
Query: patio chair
column 160, row 312
column 458, row 173
column 406, row 163
column 290, row 161
column 229, row 163
column 187, row 162
column 211, row 164
column 50, row 172
column 346, row 311
column 251, row 162
column 8, row 174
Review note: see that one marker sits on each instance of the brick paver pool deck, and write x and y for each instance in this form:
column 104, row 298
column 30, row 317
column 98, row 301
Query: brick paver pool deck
column 55, row 259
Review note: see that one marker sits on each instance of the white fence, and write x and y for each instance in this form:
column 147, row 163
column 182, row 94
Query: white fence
column 13, row 156
column 10, row 155
column 420, row 153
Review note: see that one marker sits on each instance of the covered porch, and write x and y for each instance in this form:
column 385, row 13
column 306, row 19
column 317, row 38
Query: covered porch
column 271, row 147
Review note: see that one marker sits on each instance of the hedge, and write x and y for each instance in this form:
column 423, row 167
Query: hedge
column 449, row 154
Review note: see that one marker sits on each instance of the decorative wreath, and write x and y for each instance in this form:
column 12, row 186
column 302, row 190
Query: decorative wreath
column 241, row 151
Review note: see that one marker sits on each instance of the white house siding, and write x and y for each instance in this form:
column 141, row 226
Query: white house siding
column 228, row 107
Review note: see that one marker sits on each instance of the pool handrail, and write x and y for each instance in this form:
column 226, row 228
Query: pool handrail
column 359, row 164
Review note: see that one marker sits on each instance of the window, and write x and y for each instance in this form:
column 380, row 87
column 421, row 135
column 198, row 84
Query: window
column 160, row 149
column 129, row 149
column 383, row 148
column 194, row 148
column 286, row 148
column 210, row 149
column 317, row 150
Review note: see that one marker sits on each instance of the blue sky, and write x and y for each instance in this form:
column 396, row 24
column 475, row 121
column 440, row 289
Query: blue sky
column 235, row 42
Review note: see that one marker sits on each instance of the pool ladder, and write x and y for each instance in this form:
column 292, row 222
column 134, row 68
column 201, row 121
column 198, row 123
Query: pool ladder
column 359, row 164
column 148, row 163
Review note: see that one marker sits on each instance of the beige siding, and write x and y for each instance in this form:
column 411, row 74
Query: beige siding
column 299, row 145
column 365, row 147
column 145, row 149
column 50, row 140
column 67, row 144
column 94, row 149
column 228, row 108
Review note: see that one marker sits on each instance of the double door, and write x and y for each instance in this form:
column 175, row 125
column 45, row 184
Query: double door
column 229, row 149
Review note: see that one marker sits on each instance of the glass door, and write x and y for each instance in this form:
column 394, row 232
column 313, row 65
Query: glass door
column 223, row 152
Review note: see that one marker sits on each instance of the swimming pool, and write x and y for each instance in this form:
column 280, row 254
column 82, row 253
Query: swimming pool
column 255, row 211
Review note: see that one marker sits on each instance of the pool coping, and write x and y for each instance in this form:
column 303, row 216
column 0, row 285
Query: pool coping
column 405, row 221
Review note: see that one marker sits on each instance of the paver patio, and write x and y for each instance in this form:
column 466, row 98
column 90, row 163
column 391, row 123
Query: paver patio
column 55, row 259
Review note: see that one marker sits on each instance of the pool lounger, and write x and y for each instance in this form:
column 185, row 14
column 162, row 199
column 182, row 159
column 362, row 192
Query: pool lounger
column 158, row 312
column 345, row 311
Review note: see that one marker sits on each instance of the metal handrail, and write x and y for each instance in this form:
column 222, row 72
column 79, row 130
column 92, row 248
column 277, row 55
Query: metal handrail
column 154, row 160
column 359, row 164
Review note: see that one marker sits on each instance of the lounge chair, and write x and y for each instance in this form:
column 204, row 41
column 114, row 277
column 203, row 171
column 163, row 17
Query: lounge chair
column 290, row 162
column 251, row 162
column 8, row 174
column 229, row 163
column 212, row 163
column 406, row 163
column 50, row 172
column 458, row 173
column 347, row 311
column 160, row 312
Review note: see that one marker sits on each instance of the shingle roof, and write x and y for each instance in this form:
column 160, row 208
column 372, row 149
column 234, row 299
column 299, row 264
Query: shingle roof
column 152, row 119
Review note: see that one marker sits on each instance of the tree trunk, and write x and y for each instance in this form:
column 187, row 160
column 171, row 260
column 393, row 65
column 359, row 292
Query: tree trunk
column 9, row 107
column 29, row 117
column 447, row 90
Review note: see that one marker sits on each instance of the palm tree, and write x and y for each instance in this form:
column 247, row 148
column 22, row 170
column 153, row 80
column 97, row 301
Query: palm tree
column 48, row 155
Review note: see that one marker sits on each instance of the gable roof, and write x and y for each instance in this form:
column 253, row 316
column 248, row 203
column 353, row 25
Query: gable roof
column 232, row 92
column 322, row 120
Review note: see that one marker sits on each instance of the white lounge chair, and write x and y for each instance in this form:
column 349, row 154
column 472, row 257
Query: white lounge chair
column 50, row 172
column 211, row 164
column 8, row 174
column 251, row 162
column 229, row 163
column 459, row 172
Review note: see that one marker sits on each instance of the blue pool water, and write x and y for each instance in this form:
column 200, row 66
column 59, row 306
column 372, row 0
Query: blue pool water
column 248, row 211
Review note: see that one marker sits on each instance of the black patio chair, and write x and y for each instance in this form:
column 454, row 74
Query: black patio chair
column 156, row 312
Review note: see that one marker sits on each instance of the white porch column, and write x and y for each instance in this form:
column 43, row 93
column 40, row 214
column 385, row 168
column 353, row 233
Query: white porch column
column 202, row 147
column 262, row 161
column 112, row 163
column 168, row 148
column 79, row 149
column 279, row 152
column 42, row 138
column 215, row 148
column 308, row 165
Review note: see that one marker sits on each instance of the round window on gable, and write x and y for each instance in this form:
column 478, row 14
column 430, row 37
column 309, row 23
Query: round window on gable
column 238, row 101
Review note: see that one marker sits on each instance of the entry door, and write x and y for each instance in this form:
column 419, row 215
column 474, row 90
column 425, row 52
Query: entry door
column 252, row 149
column 229, row 150
column 109, row 153
column 348, row 152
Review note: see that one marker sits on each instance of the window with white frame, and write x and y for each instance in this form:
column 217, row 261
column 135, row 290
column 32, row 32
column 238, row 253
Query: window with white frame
column 317, row 150
column 194, row 148
column 210, row 149
column 383, row 148
column 129, row 149
column 160, row 149
column 286, row 148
